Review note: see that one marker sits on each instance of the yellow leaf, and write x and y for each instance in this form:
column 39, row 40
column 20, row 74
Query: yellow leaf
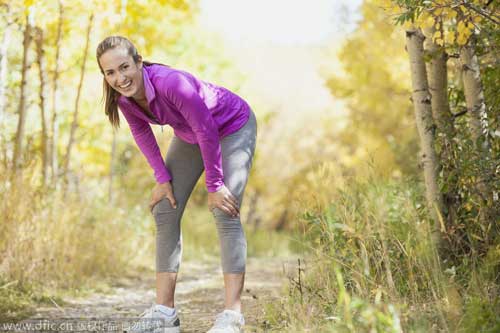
column 407, row 25
column 450, row 37
column 429, row 22
column 460, row 27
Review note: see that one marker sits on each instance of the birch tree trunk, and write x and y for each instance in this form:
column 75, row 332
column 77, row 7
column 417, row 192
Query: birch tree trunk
column 42, row 72
column 478, row 121
column 438, row 87
column 423, row 116
column 16, row 160
column 53, row 124
column 3, row 71
column 474, row 97
column 74, row 123
column 3, row 88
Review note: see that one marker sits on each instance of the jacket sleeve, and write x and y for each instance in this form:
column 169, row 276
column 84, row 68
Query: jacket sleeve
column 145, row 139
column 177, row 88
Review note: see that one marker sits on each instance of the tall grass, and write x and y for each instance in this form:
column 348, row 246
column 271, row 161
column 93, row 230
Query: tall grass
column 54, row 241
column 371, row 266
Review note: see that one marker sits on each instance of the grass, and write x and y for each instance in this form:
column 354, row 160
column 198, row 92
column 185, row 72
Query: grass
column 55, row 244
column 372, row 268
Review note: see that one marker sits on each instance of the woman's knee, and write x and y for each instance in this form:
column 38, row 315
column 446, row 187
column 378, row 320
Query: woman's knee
column 164, row 212
column 225, row 218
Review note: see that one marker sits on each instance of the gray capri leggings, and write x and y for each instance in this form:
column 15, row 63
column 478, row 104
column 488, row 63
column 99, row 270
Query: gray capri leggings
column 185, row 164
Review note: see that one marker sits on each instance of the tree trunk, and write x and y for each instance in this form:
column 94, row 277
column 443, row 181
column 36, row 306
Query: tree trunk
column 16, row 161
column 3, row 88
column 112, row 168
column 478, row 123
column 41, row 70
column 74, row 123
column 438, row 86
column 53, row 124
column 474, row 97
column 423, row 116
column 3, row 72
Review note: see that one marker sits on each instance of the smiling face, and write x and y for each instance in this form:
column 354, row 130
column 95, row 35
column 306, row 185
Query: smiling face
column 122, row 73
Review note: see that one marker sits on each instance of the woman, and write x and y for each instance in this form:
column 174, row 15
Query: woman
column 215, row 130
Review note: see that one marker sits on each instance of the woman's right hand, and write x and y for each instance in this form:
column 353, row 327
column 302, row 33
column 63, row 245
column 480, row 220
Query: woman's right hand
column 161, row 191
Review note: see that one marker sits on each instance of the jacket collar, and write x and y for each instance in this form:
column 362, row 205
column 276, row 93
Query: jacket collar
column 148, row 86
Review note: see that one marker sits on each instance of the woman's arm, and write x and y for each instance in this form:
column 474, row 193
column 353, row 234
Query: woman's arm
column 145, row 139
column 177, row 88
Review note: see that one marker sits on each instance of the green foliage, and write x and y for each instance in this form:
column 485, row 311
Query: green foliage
column 15, row 300
column 372, row 267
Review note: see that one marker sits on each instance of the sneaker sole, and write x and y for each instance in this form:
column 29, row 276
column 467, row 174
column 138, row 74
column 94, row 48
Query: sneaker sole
column 176, row 329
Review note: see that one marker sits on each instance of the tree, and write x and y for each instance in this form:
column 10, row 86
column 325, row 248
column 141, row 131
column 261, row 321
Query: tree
column 74, row 123
column 468, row 31
column 54, row 132
column 437, row 71
column 22, row 97
column 425, row 125
column 40, row 59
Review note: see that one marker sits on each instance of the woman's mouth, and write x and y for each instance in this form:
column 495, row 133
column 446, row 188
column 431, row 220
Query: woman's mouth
column 125, row 85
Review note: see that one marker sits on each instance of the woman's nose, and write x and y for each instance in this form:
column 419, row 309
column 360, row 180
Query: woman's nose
column 120, row 77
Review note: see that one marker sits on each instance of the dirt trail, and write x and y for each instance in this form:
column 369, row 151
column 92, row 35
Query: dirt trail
column 199, row 296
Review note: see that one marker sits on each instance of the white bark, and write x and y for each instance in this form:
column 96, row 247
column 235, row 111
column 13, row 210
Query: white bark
column 423, row 116
column 54, row 128
column 42, row 99
column 22, row 99
column 74, row 123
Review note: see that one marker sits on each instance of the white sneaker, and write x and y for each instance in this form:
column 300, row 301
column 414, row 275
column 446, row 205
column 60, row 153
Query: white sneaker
column 228, row 321
column 157, row 319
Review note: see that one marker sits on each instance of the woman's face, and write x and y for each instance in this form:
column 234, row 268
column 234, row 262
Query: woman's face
column 122, row 73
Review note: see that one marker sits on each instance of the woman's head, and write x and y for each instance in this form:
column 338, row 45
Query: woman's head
column 121, row 66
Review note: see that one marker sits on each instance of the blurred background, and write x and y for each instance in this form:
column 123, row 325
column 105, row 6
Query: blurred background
column 340, row 176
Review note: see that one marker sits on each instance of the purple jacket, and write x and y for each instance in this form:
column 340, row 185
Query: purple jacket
column 199, row 112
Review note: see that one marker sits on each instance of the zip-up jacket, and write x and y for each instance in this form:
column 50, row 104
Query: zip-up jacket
column 198, row 111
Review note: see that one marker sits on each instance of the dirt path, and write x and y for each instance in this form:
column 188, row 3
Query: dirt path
column 199, row 296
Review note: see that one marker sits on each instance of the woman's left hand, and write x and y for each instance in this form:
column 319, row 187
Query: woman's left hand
column 224, row 200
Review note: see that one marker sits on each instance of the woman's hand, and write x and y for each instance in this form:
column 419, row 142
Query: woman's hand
column 161, row 191
column 224, row 200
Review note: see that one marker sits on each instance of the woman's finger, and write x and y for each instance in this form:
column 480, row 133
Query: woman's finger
column 152, row 203
column 171, row 198
column 230, row 209
column 233, row 201
column 233, row 204
column 227, row 210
